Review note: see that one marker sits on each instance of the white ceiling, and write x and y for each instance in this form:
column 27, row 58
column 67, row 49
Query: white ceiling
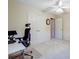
column 48, row 5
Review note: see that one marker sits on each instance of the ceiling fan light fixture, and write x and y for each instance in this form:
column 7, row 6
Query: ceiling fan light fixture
column 59, row 10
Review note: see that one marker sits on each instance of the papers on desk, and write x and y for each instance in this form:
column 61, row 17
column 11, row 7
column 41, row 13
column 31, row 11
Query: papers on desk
column 12, row 48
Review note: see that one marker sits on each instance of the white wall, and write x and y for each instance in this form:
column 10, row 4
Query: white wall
column 62, row 26
column 40, row 32
column 17, row 16
column 66, row 26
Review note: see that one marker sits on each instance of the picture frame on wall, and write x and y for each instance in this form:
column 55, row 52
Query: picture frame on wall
column 47, row 21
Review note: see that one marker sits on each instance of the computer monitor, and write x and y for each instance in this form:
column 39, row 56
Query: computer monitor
column 11, row 36
column 13, row 32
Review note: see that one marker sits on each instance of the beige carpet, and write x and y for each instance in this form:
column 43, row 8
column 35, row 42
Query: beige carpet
column 35, row 54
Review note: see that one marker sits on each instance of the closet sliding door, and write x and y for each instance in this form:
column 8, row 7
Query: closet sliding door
column 58, row 27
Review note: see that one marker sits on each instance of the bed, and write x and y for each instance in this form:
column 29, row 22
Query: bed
column 53, row 49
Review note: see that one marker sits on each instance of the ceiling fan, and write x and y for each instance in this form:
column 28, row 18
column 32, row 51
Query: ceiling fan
column 58, row 7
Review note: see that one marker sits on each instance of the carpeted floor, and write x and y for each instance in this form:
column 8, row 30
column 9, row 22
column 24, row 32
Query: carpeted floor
column 35, row 53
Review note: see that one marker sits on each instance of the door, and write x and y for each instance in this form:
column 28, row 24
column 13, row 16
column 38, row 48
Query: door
column 52, row 28
column 58, row 28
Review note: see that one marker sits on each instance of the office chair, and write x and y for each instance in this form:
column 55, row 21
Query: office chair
column 26, row 39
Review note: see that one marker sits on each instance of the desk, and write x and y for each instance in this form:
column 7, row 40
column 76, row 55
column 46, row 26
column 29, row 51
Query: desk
column 12, row 48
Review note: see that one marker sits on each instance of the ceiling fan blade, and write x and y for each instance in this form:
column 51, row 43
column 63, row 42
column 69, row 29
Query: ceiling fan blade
column 50, row 8
column 60, row 3
column 66, row 9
